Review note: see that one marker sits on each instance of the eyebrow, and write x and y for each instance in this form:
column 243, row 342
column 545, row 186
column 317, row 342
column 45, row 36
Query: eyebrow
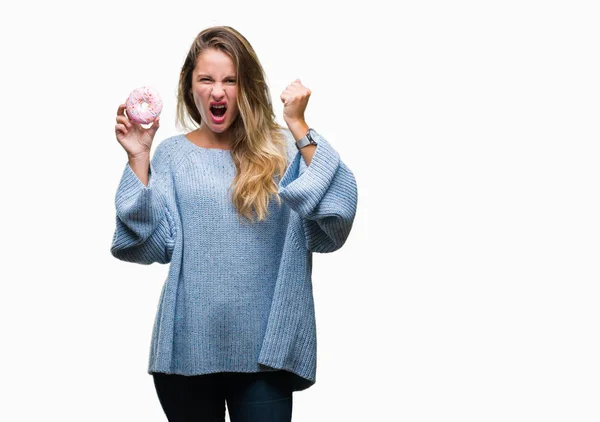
column 208, row 76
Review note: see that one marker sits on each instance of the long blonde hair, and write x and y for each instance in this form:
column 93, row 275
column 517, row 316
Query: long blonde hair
column 259, row 150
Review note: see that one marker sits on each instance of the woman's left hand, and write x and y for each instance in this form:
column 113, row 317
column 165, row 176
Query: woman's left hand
column 294, row 98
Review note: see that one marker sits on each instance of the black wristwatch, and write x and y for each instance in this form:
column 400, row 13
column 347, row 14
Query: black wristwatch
column 308, row 139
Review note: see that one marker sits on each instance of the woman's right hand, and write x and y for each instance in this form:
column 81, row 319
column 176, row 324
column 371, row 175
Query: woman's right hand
column 132, row 136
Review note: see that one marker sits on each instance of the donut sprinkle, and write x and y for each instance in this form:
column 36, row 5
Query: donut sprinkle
column 143, row 105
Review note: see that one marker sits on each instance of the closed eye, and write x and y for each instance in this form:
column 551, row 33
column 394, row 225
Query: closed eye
column 231, row 81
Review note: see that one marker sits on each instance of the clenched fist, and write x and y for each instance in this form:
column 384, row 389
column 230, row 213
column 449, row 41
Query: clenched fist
column 294, row 98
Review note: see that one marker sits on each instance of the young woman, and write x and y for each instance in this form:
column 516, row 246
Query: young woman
column 237, row 207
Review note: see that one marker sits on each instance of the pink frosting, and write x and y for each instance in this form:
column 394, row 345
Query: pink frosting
column 136, row 112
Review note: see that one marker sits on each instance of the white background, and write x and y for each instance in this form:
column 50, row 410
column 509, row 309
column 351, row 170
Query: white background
column 468, row 288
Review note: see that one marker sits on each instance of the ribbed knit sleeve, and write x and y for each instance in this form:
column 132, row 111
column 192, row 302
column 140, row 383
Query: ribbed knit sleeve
column 324, row 194
column 145, row 229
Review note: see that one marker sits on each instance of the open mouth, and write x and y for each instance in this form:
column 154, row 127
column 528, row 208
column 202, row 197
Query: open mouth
column 218, row 111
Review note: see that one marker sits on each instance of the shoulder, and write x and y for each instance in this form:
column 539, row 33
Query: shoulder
column 166, row 145
column 167, row 150
column 172, row 148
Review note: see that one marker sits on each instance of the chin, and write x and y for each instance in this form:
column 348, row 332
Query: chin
column 220, row 129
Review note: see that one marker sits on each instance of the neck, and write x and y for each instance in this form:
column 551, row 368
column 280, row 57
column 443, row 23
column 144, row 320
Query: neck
column 212, row 139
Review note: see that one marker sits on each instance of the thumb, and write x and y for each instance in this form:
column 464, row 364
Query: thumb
column 155, row 125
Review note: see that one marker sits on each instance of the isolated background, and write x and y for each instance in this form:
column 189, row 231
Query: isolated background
column 468, row 288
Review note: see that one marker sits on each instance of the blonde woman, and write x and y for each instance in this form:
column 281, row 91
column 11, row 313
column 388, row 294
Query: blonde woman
column 236, row 206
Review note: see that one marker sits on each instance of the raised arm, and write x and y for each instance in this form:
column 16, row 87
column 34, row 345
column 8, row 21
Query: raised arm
column 145, row 228
column 323, row 193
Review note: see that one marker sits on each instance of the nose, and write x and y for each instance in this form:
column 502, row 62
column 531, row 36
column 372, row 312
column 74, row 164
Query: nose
column 217, row 91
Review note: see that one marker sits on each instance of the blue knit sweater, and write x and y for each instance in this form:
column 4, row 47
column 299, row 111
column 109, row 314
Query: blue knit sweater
column 238, row 297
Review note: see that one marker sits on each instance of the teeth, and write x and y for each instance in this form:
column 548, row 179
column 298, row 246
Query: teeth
column 218, row 106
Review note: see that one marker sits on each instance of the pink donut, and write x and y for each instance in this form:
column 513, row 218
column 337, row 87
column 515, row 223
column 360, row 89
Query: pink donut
column 143, row 105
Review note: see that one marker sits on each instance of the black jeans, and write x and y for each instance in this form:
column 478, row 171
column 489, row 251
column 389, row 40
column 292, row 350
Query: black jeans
column 260, row 396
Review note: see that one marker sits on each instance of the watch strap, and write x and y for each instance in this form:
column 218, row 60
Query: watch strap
column 308, row 139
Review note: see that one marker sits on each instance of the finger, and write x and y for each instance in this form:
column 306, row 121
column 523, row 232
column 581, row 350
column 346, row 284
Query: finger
column 121, row 110
column 152, row 129
column 121, row 128
column 124, row 120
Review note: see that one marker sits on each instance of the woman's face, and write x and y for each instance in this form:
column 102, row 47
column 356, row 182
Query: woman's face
column 214, row 84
